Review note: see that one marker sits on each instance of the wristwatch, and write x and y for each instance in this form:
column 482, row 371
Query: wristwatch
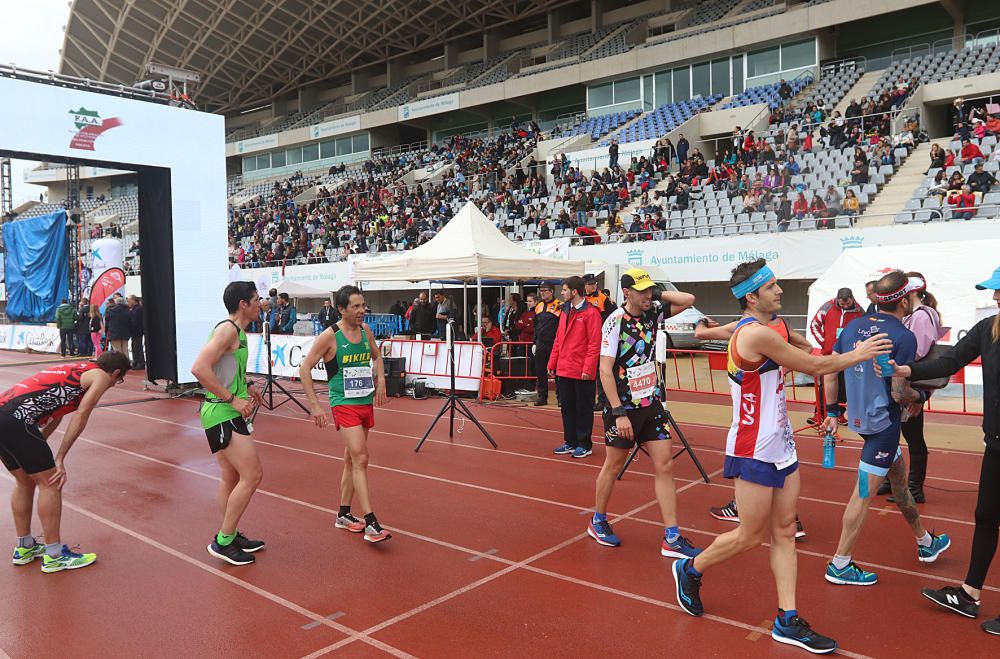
column 231, row 398
column 618, row 411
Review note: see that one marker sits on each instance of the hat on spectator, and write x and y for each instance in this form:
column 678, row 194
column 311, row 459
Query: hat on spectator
column 589, row 278
column 993, row 283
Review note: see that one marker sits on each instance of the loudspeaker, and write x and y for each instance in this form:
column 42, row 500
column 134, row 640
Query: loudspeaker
column 395, row 385
column 394, row 366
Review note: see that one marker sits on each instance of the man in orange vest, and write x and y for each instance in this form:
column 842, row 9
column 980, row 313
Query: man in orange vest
column 606, row 306
column 547, row 313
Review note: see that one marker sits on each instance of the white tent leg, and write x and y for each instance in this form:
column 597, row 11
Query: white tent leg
column 479, row 308
column 465, row 307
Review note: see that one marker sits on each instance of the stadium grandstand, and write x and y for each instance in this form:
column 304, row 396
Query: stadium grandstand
column 495, row 156
column 347, row 134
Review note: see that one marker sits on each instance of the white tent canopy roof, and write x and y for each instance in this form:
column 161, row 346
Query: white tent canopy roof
column 951, row 269
column 467, row 247
column 299, row 289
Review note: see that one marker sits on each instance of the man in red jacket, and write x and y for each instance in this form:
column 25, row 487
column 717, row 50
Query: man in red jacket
column 574, row 360
column 826, row 326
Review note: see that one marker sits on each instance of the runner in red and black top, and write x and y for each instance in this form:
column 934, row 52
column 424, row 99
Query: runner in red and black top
column 30, row 412
column 635, row 411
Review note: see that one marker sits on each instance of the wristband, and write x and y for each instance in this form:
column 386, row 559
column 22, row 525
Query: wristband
column 618, row 411
column 833, row 409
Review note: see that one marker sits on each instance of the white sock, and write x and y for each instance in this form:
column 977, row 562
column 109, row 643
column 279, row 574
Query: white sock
column 840, row 562
column 54, row 549
column 926, row 540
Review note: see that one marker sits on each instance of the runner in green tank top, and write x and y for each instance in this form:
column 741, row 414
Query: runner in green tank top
column 221, row 368
column 356, row 381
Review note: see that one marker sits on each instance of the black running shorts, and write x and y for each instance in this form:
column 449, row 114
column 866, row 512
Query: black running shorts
column 220, row 435
column 23, row 447
column 649, row 424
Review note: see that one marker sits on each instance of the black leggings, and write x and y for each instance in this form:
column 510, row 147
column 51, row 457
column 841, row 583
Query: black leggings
column 913, row 433
column 984, row 538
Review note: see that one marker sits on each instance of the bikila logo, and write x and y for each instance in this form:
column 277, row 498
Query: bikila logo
column 90, row 126
column 634, row 256
column 852, row 242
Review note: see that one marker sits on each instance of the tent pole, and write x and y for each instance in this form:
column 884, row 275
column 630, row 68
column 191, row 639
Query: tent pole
column 479, row 308
column 465, row 306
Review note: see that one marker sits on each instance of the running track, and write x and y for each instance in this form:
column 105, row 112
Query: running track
column 488, row 555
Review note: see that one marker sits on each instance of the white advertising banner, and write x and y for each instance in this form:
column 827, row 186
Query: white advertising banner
column 39, row 338
column 62, row 123
column 287, row 353
column 792, row 255
column 436, row 105
column 257, row 144
column 336, row 127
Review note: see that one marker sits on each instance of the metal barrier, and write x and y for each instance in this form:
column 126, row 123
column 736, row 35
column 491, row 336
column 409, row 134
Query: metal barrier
column 688, row 375
column 429, row 361
column 521, row 369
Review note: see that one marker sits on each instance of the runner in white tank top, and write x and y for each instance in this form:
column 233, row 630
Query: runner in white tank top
column 760, row 452
column 760, row 427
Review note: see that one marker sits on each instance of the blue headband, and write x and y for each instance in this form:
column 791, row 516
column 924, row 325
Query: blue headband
column 754, row 282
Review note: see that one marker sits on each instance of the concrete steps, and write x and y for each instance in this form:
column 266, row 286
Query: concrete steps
column 893, row 197
column 859, row 89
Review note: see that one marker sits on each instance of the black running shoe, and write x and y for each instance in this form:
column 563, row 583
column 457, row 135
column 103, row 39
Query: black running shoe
column 954, row 598
column 992, row 626
column 800, row 531
column 687, row 588
column 246, row 544
column 230, row 553
column 798, row 633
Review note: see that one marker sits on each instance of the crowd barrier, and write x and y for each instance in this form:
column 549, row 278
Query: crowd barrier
column 428, row 361
column 698, row 371
column 509, row 365
column 383, row 325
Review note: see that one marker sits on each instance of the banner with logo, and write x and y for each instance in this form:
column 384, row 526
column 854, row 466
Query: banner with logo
column 336, row 127
column 40, row 338
column 257, row 144
column 436, row 105
column 792, row 255
column 287, row 353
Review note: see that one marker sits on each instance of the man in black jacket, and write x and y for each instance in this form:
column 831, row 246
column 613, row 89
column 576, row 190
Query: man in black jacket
column 983, row 340
column 137, row 331
column 422, row 316
column 546, row 321
column 327, row 315
column 117, row 325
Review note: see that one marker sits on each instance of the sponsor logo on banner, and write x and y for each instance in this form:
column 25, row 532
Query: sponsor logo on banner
column 287, row 353
column 90, row 126
column 336, row 127
column 257, row 144
column 634, row 256
column 39, row 338
column 852, row 242
column 436, row 105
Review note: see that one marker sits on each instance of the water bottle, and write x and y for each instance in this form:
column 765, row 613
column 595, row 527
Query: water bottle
column 829, row 444
column 883, row 362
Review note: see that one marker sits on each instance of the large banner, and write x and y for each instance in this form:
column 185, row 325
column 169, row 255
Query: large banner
column 287, row 352
column 792, row 255
column 436, row 105
column 40, row 338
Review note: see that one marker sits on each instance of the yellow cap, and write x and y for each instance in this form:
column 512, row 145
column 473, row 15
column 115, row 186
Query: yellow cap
column 637, row 279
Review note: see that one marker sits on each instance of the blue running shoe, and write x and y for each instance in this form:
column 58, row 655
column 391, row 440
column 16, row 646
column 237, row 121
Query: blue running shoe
column 580, row 452
column 679, row 548
column 938, row 544
column 852, row 575
column 687, row 587
column 563, row 450
column 601, row 531
column 798, row 633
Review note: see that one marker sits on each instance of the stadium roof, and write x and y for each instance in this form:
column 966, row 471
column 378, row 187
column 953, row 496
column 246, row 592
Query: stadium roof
column 251, row 51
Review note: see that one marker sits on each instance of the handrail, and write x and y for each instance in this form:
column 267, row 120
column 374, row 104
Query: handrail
column 909, row 50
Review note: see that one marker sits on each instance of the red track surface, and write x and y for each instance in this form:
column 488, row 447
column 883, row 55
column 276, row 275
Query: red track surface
column 488, row 556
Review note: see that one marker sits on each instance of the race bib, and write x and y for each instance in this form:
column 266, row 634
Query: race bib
column 642, row 381
column 358, row 381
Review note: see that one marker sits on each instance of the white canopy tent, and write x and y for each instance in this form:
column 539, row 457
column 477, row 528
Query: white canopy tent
column 468, row 248
column 951, row 269
column 301, row 290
